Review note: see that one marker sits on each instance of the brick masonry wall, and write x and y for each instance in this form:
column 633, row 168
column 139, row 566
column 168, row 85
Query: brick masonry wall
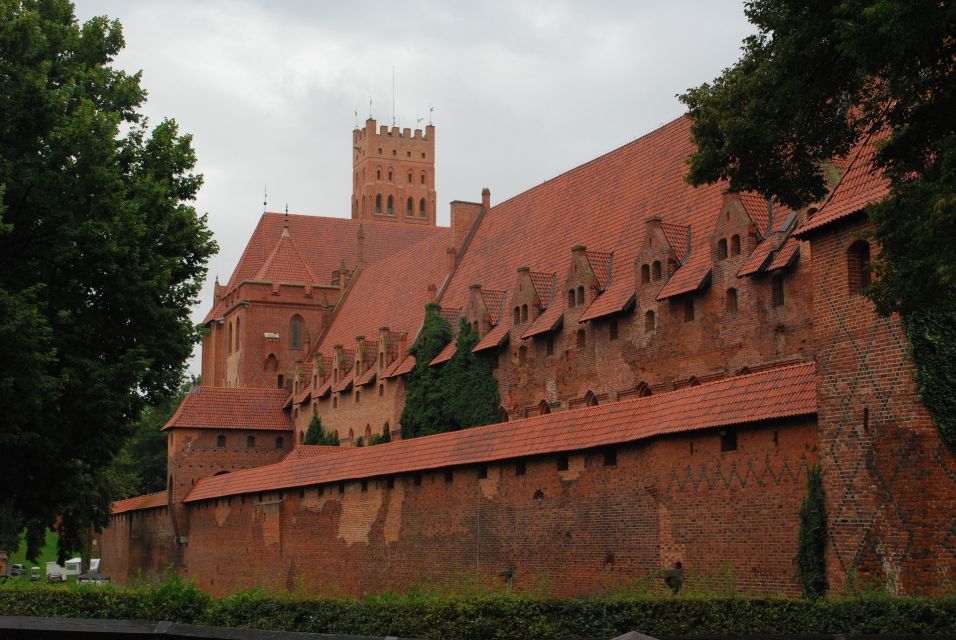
column 890, row 481
column 138, row 543
column 731, row 514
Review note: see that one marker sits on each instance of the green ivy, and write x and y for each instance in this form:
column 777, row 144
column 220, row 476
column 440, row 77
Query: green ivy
column 424, row 412
column 932, row 338
column 812, row 538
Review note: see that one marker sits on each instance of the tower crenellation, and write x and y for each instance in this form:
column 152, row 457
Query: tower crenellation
column 393, row 174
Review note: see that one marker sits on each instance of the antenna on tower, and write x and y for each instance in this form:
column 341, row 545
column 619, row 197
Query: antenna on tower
column 431, row 109
column 370, row 107
column 265, row 197
column 286, row 223
column 356, row 118
column 393, row 95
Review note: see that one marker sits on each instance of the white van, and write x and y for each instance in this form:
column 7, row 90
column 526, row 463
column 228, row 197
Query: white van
column 73, row 566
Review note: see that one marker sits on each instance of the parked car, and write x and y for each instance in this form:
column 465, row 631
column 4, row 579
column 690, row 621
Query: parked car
column 17, row 570
column 34, row 574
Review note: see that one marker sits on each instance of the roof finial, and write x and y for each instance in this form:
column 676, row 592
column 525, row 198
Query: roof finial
column 286, row 225
column 265, row 197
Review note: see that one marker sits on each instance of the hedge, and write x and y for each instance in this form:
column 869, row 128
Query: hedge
column 492, row 616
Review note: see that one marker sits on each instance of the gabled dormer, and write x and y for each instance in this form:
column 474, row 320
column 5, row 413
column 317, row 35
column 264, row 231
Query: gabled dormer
column 483, row 309
column 589, row 273
column 663, row 251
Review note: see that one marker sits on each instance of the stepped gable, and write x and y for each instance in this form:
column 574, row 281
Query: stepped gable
column 391, row 292
column 323, row 243
column 245, row 408
column 861, row 184
column 601, row 203
column 148, row 501
column 777, row 393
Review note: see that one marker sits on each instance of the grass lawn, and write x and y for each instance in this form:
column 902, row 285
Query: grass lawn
column 47, row 554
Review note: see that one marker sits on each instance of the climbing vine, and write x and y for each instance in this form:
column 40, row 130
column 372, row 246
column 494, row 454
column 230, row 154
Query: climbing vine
column 812, row 538
column 932, row 338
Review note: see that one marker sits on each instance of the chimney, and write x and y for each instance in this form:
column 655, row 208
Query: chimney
column 432, row 293
column 486, row 198
column 464, row 215
column 451, row 256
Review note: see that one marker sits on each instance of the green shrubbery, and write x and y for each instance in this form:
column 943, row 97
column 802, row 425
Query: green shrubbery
column 484, row 616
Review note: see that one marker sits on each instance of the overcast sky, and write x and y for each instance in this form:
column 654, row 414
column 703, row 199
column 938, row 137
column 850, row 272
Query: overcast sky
column 522, row 90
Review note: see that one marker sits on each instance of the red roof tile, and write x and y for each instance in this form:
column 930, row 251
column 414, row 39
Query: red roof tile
column 368, row 377
column 778, row 393
column 755, row 261
column 285, row 264
column 403, row 368
column 548, row 320
column 544, row 286
column 494, row 302
column 343, row 385
column 304, row 451
column 596, row 205
column 600, row 262
column 304, row 395
column 678, row 237
column 231, row 408
column 323, row 243
column 493, row 338
column 860, row 185
column 391, row 292
column 615, row 299
column 148, row 501
column 445, row 354
column 450, row 314
column 325, row 389
column 690, row 276
column 392, row 367
column 785, row 256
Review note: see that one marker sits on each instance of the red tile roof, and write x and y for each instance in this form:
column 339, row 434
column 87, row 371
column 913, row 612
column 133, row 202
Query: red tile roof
column 322, row 243
column 148, row 501
column 304, row 451
column 755, row 261
column 393, row 367
column 285, row 264
column 304, row 395
column 493, row 338
column 232, row 408
column 600, row 262
column 678, row 237
column 615, row 299
column 690, row 276
column 544, row 285
column 325, row 389
column 391, row 292
column 547, row 321
column 343, row 385
column 860, row 185
column 445, row 354
column 404, row 367
column 786, row 255
column 367, row 378
column 777, row 393
column 595, row 204
column 494, row 302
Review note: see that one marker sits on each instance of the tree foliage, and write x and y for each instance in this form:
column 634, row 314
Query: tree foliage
column 101, row 259
column 812, row 538
column 316, row 435
column 819, row 77
column 460, row 394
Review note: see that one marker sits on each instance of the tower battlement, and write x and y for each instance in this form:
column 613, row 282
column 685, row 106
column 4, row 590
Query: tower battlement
column 393, row 174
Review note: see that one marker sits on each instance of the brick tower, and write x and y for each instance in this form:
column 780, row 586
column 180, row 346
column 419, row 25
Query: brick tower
column 393, row 174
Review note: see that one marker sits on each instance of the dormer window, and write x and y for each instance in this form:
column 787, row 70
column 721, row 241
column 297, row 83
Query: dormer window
column 645, row 274
column 524, row 313
column 735, row 245
column 580, row 295
column 656, row 270
column 722, row 249
column 571, row 298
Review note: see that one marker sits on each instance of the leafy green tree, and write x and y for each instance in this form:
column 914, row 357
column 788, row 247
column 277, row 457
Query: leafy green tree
column 315, row 434
column 101, row 259
column 469, row 388
column 424, row 412
column 816, row 78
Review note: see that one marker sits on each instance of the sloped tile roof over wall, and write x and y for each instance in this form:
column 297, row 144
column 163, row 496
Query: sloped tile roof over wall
column 148, row 501
column 232, row 408
column 777, row 393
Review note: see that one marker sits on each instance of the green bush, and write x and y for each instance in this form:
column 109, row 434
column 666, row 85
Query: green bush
column 490, row 616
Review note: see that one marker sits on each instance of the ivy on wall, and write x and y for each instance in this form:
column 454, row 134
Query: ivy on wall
column 932, row 338
column 812, row 538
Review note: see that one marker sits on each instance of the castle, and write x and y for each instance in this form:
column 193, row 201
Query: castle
column 671, row 361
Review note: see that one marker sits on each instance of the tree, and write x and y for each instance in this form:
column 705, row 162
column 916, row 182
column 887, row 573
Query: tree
column 101, row 259
column 812, row 538
column 470, row 390
column 424, row 411
column 315, row 434
column 818, row 78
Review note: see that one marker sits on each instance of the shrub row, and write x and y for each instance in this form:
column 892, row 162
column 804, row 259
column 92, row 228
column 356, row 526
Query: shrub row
column 497, row 616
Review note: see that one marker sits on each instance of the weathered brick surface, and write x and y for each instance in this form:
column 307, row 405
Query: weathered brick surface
column 138, row 543
column 890, row 480
column 571, row 532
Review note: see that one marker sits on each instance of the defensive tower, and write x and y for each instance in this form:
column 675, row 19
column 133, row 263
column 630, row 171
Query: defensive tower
column 393, row 174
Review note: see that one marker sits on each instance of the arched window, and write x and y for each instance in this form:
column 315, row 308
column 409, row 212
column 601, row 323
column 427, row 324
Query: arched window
column 381, row 390
column 524, row 313
column 776, row 291
column 421, row 208
column 410, row 207
column 272, row 363
column 378, row 174
column 295, row 332
column 391, row 206
column 280, row 381
column 502, row 414
column 858, row 267
column 656, row 270
column 693, row 382
column 582, row 339
column 423, row 177
column 650, row 322
column 378, row 204
column 381, row 360
column 571, row 298
column 386, row 433
column 368, row 434
column 238, row 334
column 389, row 175
column 517, row 315
column 645, row 274
column 250, row 442
column 544, row 408
column 643, row 390
column 220, row 441
column 590, row 400
column 409, row 177
column 689, row 309
column 351, row 436
column 730, row 300
column 735, row 245
column 230, row 340
column 358, row 397
column 580, row 295
column 335, row 402
column 721, row 249
column 475, row 327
